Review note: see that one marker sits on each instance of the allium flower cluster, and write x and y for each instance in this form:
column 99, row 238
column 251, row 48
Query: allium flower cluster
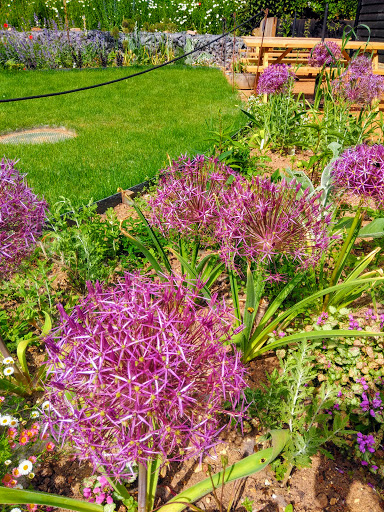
column 275, row 79
column 189, row 196
column 21, row 218
column 264, row 220
column 366, row 442
column 138, row 371
column 358, row 83
column 360, row 170
column 324, row 54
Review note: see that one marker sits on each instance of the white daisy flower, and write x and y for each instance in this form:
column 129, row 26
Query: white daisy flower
column 18, row 486
column 45, row 405
column 15, row 510
column 14, row 422
column 8, row 371
column 35, row 414
column 25, row 467
column 5, row 420
column 7, row 462
column 8, row 360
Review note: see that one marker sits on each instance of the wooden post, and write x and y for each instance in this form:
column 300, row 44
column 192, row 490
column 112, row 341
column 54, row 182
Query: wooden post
column 66, row 20
column 324, row 22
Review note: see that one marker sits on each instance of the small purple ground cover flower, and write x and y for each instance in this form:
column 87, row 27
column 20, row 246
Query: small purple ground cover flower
column 189, row 196
column 139, row 370
column 360, row 171
column 324, row 54
column 22, row 216
column 275, row 79
column 366, row 442
column 264, row 220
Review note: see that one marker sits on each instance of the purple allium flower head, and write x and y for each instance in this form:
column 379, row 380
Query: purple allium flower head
column 360, row 171
column 358, row 83
column 189, row 196
column 21, row 218
column 145, row 372
column 264, row 220
column 324, row 54
column 275, row 79
column 360, row 65
column 366, row 442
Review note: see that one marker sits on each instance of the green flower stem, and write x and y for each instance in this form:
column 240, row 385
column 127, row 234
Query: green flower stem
column 142, row 491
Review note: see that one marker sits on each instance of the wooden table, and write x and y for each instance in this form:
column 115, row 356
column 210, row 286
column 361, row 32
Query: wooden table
column 296, row 50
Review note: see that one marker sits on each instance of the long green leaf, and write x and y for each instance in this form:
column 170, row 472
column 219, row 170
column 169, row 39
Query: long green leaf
column 277, row 302
column 235, row 296
column 21, row 356
column 191, row 272
column 254, row 290
column 214, row 274
column 342, row 333
column 153, row 472
column 153, row 236
column 9, row 387
column 258, row 339
column 22, row 497
column 374, row 229
column 242, row 469
column 152, row 260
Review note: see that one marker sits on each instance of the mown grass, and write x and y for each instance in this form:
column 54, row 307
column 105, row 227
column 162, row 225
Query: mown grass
column 125, row 131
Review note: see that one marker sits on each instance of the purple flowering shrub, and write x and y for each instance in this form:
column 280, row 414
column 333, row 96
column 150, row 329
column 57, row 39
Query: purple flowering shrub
column 324, row 54
column 263, row 221
column 358, row 84
column 360, row 171
column 22, row 216
column 275, row 79
column 189, row 196
column 138, row 371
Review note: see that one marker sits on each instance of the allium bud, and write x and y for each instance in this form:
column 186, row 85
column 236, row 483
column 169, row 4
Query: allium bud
column 21, row 218
column 265, row 220
column 360, row 171
column 189, row 196
column 275, row 79
column 324, row 54
column 140, row 370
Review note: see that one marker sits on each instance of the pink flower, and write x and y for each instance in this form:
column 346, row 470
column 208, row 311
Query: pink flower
column 50, row 447
column 100, row 498
column 31, row 507
column 32, row 459
column 110, row 499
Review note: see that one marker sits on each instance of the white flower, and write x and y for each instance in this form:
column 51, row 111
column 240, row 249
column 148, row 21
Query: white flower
column 8, row 371
column 45, row 405
column 4, row 420
column 18, row 486
column 7, row 462
column 8, row 360
column 14, row 422
column 15, row 510
column 25, row 467
column 35, row 414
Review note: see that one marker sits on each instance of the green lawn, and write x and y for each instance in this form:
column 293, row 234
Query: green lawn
column 125, row 130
